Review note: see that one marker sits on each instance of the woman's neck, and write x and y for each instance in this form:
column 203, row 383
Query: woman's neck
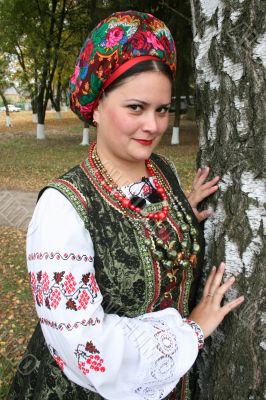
column 123, row 172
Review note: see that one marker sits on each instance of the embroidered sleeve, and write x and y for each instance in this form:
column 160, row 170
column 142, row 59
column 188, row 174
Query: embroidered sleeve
column 198, row 331
column 119, row 358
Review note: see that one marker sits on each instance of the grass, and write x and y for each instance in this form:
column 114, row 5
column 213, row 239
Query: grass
column 18, row 316
column 28, row 164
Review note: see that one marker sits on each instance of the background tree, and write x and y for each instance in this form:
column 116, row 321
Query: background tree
column 230, row 68
column 33, row 31
column 18, row 39
column 4, row 83
column 45, row 36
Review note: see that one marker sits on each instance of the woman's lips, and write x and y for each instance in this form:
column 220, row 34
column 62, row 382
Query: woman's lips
column 144, row 142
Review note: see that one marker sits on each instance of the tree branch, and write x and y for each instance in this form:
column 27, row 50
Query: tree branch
column 164, row 4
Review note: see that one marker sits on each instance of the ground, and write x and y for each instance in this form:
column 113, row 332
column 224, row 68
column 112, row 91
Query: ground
column 26, row 165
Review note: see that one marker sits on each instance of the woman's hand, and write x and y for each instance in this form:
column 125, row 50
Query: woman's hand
column 200, row 191
column 209, row 313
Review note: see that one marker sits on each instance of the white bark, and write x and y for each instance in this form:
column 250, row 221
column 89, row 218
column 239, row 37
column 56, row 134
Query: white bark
column 58, row 115
column 175, row 135
column 8, row 121
column 34, row 118
column 230, row 62
column 85, row 139
column 40, row 132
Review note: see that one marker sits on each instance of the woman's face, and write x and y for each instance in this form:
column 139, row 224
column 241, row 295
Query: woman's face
column 132, row 118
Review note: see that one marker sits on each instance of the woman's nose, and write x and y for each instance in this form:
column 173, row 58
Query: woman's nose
column 150, row 123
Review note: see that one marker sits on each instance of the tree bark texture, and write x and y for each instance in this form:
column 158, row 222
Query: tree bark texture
column 230, row 72
column 5, row 102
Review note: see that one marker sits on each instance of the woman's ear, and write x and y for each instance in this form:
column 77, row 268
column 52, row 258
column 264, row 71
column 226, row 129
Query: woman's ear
column 96, row 115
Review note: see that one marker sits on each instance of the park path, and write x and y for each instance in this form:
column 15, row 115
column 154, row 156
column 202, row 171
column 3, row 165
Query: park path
column 16, row 208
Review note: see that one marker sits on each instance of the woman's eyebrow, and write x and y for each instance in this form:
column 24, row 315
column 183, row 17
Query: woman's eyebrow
column 139, row 101
column 145, row 103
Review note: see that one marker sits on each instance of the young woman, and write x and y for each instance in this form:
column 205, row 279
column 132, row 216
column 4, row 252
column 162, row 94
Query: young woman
column 114, row 249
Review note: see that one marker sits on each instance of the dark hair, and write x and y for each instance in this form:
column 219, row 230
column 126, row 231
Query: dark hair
column 144, row 66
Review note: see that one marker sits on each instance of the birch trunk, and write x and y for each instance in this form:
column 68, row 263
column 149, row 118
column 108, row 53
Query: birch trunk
column 230, row 69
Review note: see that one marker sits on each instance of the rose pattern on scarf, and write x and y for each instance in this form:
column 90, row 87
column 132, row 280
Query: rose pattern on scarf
column 117, row 39
column 114, row 35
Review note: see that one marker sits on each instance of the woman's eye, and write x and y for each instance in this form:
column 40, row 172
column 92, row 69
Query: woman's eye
column 135, row 107
column 163, row 110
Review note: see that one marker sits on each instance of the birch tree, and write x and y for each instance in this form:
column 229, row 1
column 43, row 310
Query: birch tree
column 230, row 71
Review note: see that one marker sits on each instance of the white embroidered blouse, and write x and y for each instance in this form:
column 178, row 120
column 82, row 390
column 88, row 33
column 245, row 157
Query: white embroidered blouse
column 117, row 357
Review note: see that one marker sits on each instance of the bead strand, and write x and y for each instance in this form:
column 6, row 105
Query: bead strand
column 110, row 186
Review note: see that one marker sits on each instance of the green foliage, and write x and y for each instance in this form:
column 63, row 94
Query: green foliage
column 42, row 39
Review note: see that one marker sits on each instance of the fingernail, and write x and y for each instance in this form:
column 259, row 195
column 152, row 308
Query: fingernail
column 232, row 279
column 213, row 268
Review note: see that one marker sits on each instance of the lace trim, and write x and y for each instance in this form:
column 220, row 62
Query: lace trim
column 163, row 367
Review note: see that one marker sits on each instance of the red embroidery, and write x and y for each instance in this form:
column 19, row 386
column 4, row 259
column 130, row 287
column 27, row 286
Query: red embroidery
column 45, row 281
column 57, row 359
column 55, row 298
column 70, row 283
column 69, row 327
column 50, row 292
column 83, row 300
column 45, row 255
column 89, row 358
column 146, row 189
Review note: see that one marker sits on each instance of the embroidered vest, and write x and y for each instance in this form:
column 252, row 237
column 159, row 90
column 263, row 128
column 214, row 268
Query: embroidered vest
column 131, row 280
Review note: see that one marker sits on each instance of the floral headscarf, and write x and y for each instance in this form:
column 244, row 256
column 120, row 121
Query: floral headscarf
column 115, row 45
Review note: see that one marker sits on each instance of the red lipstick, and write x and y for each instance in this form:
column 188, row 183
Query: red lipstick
column 144, row 142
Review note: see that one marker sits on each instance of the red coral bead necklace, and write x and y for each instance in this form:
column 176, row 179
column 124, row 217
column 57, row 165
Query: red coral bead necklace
column 111, row 187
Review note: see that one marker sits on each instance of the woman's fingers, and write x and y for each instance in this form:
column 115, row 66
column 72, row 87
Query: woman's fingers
column 217, row 278
column 197, row 176
column 210, row 183
column 215, row 292
column 209, row 313
column 200, row 177
column 202, row 215
column 232, row 305
column 208, row 283
column 206, row 187
column 213, row 288
column 201, row 190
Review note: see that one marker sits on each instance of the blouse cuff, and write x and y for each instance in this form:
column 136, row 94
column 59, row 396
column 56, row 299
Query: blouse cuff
column 197, row 329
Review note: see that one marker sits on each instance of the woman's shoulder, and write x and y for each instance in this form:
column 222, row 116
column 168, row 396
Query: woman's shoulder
column 165, row 163
column 68, row 189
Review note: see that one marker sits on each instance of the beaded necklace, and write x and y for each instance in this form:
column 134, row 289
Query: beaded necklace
column 111, row 187
column 157, row 221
